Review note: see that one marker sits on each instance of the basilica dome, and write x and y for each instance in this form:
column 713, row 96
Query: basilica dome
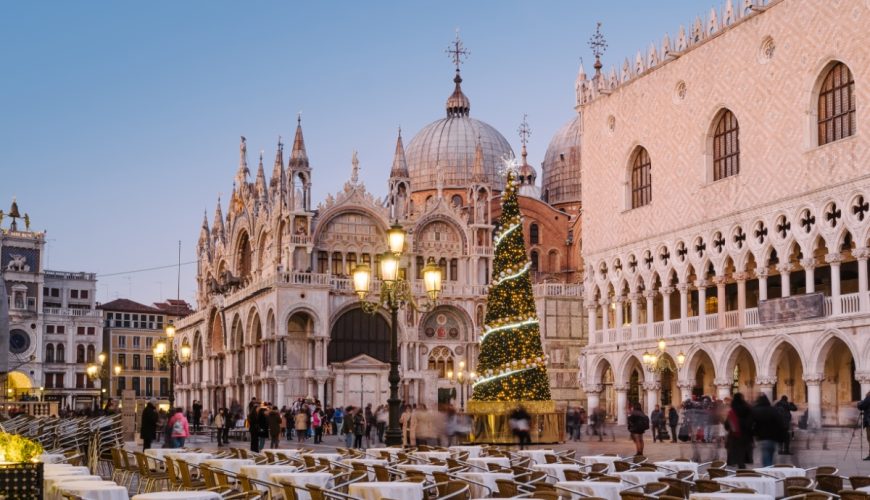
column 560, row 171
column 448, row 145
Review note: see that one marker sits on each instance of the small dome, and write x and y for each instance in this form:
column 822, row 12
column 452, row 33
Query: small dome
column 560, row 172
column 449, row 145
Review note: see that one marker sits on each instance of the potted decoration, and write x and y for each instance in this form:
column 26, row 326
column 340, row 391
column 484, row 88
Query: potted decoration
column 20, row 467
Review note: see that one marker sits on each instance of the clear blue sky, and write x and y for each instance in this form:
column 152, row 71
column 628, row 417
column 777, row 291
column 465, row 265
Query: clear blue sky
column 120, row 121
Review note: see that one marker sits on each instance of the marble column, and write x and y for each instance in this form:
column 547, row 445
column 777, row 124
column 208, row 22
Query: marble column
column 809, row 265
column 685, row 389
column 720, row 300
column 666, row 309
column 593, row 392
column 740, row 278
column 701, row 285
column 650, row 311
column 765, row 385
column 591, row 315
column 619, row 300
column 834, row 260
column 785, row 283
column 723, row 388
column 814, row 398
column 279, row 390
column 863, row 378
column 605, row 314
column 762, row 284
column 635, row 312
column 683, row 288
column 621, row 403
column 861, row 255
column 652, row 395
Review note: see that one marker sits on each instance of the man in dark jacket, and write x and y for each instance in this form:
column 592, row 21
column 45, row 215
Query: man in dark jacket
column 673, row 420
column 768, row 428
column 254, row 426
column 638, row 423
column 864, row 408
column 658, row 423
column 197, row 415
column 784, row 407
column 148, row 428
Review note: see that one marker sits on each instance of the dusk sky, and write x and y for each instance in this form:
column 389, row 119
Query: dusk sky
column 120, row 121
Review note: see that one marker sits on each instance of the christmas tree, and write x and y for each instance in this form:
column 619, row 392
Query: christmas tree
column 511, row 364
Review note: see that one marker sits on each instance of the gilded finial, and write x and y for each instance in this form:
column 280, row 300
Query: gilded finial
column 598, row 44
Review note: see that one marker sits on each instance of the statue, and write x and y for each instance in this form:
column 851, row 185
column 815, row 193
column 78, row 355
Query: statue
column 298, row 199
column 27, row 222
column 18, row 263
column 1, row 217
column 354, row 173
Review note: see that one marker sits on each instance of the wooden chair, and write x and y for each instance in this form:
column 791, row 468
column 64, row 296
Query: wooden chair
column 506, row 488
column 646, row 468
column 717, row 464
column 621, row 466
column 187, row 481
column 634, row 495
column 685, row 475
column 249, row 491
column 602, row 468
column 859, row 481
column 716, row 473
column 829, row 482
column 119, row 473
column 741, row 490
column 147, row 477
column 551, row 459
column 677, row 487
column 637, row 459
column 574, row 475
column 707, row 486
column 452, row 490
column 827, row 469
column 174, row 480
column 800, row 481
column 381, row 473
column 539, row 487
column 655, row 488
column 853, row 495
column 607, row 479
column 290, row 491
column 747, row 473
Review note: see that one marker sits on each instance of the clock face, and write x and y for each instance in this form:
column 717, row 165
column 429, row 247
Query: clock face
column 19, row 341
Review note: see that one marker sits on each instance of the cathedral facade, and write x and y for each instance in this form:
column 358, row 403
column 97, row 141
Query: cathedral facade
column 277, row 315
column 725, row 211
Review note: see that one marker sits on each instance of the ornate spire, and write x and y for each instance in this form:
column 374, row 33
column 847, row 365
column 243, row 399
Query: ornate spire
column 458, row 104
column 354, row 173
column 243, row 160
column 400, row 166
column 217, row 226
column 278, row 168
column 598, row 45
column 524, row 132
column 527, row 174
column 204, row 231
column 298, row 156
column 260, row 183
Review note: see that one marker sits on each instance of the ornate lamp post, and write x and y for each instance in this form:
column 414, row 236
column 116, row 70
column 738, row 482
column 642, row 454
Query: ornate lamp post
column 656, row 362
column 166, row 353
column 395, row 293
column 464, row 379
column 99, row 371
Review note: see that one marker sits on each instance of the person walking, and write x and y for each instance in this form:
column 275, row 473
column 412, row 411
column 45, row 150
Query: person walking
column 738, row 424
column 638, row 423
column 347, row 426
column 581, row 421
column 219, row 422
column 657, row 419
column 180, row 428
column 301, row 424
column 254, row 426
column 408, row 421
column 673, row 420
column 148, row 428
column 784, row 407
column 769, row 429
column 317, row 423
column 197, row 415
column 370, row 424
column 262, row 425
column 520, row 423
column 274, row 419
column 864, row 408
column 359, row 427
column 381, row 415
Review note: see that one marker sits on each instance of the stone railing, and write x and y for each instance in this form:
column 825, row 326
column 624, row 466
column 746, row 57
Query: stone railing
column 83, row 313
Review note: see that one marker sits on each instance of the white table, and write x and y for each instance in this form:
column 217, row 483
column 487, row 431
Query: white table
column 91, row 490
column 332, row 457
column 601, row 489
column 52, row 458
column 555, row 472
column 376, row 452
column 233, row 465
column 78, row 470
column 763, row 485
column 782, row 473
column 864, row 488
column 474, row 451
column 487, row 478
column 729, row 496
column 672, row 465
column 192, row 458
column 159, row 453
column 51, row 483
column 640, row 477
column 537, row 456
column 393, row 490
column 287, row 451
column 262, row 472
column 483, row 462
column 178, row 495
column 439, row 455
column 427, row 469
column 322, row 479
column 601, row 459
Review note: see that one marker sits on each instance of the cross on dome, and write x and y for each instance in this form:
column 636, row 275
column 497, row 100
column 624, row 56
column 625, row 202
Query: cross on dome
column 457, row 51
column 525, row 131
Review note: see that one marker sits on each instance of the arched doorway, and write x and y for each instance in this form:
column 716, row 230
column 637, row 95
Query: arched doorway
column 741, row 372
column 355, row 333
column 788, row 367
column 667, row 378
column 840, row 390
column 701, row 373
column 297, row 355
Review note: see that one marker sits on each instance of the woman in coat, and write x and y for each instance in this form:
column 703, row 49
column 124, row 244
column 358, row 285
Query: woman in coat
column 408, row 421
column 301, row 424
column 738, row 424
column 148, row 428
column 179, row 428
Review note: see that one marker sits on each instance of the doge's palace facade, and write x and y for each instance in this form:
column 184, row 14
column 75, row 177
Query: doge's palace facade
column 726, row 181
column 277, row 317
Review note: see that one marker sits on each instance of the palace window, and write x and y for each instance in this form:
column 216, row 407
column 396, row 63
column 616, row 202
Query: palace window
column 534, row 259
column 80, row 353
column 49, row 353
column 441, row 360
column 836, row 105
column 534, row 234
column 641, row 179
column 59, row 354
column 91, row 353
column 726, row 146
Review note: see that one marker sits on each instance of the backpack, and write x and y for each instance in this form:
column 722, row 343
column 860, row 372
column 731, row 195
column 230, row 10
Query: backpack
column 641, row 424
column 178, row 427
column 315, row 419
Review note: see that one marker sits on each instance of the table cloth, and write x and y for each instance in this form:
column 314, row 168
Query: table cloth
column 864, row 488
column 473, row 450
column 426, row 455
column 427, row 469
column 601, row 489
column 486, row 478
column 287, row 451
column 52, row 458
column 395, row 490
column 332, row 457
column 89, row 490
column 640, row 477
column 50, row 483
column 671, row 465
column 782, row 473
column 763, row 485
column 192, row 458
column 178, row 495
column 537, row 456
column 77, row 470
column 376, row 452
column 322, row 479
column 233, row 465
column 600, row 459
column 262, row 472
column 555, row 472
column 482, row 462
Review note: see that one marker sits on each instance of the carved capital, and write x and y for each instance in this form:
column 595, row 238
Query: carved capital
column 701, row 284
column 720, row 281
column 863, row 377
column 592, row 306
column 683, row 288
column 784, row 268
column 594, row 388
column 765, row 380
column 650, row 294
column 762, row 273
column 740, row 276
column 619, row 299
column 814, row 378
column 652, row 386
column 861, row 253
column 667, row 290
column 685, row 384
column 620, row 387
column 634, row 297
column 833, row 258
column 604, row 302
column 808, row 263
column 723, row 382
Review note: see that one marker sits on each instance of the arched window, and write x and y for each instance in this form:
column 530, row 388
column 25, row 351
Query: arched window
column 836, row 105
column 59, row 354
column 641, row 179
column 534, row 234
column 454, row 269
column 355, row 333
column 456, row 200
column 91, row 353
column 726, row 146
column 534, row 259
column 420, row 264
column 243, row 252
column 80, row 353
column 442, row 265
column 49, row 353
column 441, row 360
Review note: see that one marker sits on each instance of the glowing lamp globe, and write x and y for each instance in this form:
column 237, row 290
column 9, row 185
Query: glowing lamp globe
column 169, row 330
column 432, row 279
column 396, row 239
column 662, row 345
column 362, row 280
column 184, row 352
column 160, row 349
column 389, row 268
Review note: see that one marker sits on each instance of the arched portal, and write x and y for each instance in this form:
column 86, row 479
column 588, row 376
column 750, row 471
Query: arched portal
column 840, row 390
column 740, row 370
column 667, row 379
column 355, row 333
column 786, row 364
column 701, row 373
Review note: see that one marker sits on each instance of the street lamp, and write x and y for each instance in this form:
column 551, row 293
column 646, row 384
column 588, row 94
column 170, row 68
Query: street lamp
column 395, row 292
column 165, row 353
column 99, row 371
column 464, row 379
column 656, row 362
